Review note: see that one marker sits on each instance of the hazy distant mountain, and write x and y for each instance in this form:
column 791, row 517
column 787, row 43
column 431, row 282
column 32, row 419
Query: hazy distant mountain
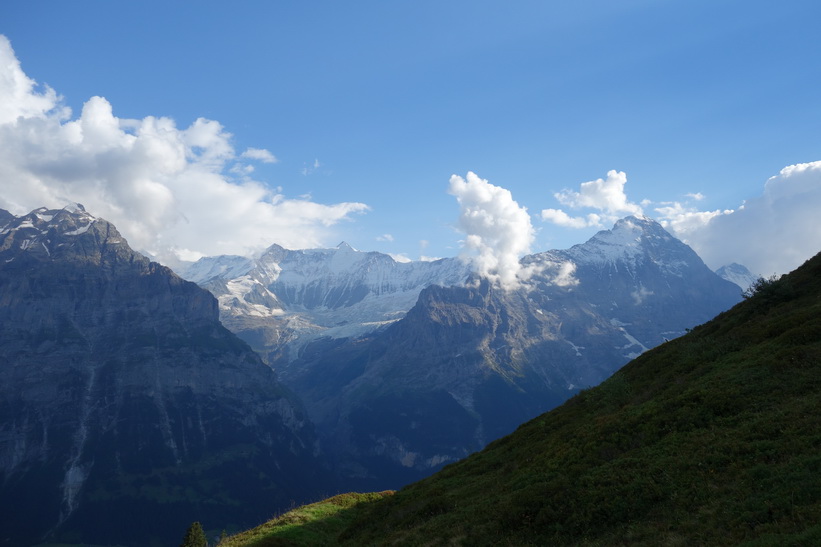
column 126, row 409
column 738, row 274
column 468, row 362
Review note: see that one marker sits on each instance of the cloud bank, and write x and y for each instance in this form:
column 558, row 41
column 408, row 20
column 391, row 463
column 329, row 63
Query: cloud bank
column 498, row 231
column 772, row 233
column 178, row 193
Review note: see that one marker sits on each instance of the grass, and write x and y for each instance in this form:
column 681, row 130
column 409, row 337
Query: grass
column 315, row 524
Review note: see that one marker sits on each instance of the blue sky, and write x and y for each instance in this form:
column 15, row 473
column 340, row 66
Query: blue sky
column 370, row 107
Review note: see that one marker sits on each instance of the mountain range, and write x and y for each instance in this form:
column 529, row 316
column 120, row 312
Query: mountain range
column 406, row 367
column 122, row 391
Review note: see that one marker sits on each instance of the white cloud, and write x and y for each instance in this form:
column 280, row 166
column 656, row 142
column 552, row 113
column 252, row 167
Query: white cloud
column 682, row 220
column 384, row 237
column 604, row 195
column 498, row 230
column 168, row 190
column 560, row 218
column 772, row 233
column 259, row 154
column 19, row 92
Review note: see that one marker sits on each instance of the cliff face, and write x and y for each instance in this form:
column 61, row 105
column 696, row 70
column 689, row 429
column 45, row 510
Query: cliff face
column 122, row 394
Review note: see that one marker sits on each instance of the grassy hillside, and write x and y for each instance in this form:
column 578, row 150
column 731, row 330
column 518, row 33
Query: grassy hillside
column 315, row 524
column 713, row 438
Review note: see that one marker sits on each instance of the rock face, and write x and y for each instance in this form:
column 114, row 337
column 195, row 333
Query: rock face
column 127, row 410
column 468, row 364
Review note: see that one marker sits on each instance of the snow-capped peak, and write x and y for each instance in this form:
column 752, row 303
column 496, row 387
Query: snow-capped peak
column 738, row 274
column 626, row 241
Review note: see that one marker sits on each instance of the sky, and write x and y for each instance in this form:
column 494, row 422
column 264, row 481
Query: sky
column 421, row 129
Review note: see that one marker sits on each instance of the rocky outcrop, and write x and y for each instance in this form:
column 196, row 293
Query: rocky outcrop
column 127, row 410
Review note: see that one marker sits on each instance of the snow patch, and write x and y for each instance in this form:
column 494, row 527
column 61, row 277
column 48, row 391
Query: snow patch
column 81, row 229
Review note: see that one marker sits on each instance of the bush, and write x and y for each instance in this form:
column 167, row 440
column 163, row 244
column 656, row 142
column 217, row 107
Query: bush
column 769, row 291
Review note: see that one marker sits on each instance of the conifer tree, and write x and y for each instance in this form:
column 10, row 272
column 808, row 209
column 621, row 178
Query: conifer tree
column 194, row 537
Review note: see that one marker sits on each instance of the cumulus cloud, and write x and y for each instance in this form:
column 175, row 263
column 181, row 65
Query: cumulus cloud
column 498, row 231
column 21, row 97
column 171, row 191
column 683, row 219
column 384, row 237
column 606, row 195
column 772, row 233
column 560, row 218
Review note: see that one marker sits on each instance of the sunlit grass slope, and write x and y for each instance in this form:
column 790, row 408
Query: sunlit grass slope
column 711, row 439
column 315, row 524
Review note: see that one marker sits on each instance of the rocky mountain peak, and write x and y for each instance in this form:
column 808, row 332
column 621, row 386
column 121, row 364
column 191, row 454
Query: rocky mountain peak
column 56, row 234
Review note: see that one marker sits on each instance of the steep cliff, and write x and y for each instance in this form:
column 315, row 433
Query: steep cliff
column 121, row 394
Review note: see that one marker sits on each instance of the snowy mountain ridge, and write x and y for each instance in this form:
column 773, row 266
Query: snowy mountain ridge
column 628, row 242
column 296, row 296
column 285, row 299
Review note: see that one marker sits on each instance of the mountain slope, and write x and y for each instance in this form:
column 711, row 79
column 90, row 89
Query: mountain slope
column 467, row 365
column 122, row 394
column 712, row 438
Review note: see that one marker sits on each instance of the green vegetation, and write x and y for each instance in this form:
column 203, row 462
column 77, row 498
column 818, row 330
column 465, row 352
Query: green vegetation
column 711, row 439
column 194, row 537
column 315, row 524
